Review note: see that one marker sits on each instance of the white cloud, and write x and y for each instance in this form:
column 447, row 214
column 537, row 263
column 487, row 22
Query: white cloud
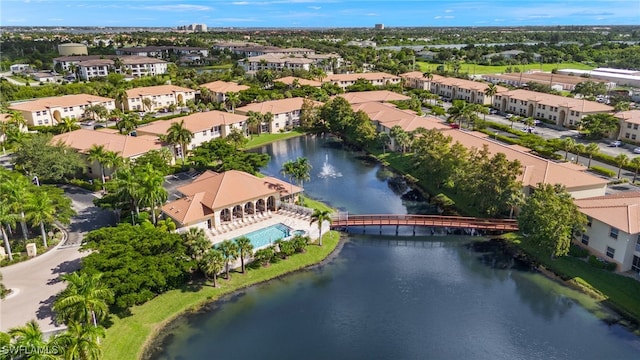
column 448, row 11
column 314, row 7
column 372, row 14
column 240, row 3
column 55, row 19
column 437, row 17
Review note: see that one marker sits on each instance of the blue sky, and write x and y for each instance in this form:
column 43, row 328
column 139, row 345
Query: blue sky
column 318, row 13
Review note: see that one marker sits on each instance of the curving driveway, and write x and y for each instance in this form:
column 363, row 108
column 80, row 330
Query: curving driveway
column 35, row 282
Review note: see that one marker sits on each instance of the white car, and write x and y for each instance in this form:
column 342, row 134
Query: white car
column 636, row 150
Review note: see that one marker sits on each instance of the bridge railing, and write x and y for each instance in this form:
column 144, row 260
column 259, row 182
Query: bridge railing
column 424, row 220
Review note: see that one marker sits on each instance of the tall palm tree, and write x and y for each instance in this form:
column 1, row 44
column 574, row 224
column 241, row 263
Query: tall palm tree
column 152, row 191
column 177, row 134
column 16, row 190
column 121, row 98
column 491, row 91
column 302, row 170
column 621, row 160
column 635, row 163
column 233, row 99
column 96, row 110
column 268, row 119
column 592, row 149
column 197, row 245
column 128, row 123
column 320, row 216
column 98, row 153
column 16, row 118
column 579, row 150
column 41, row 211
column 245, row 249
column 214, row 262
column 112, row 160
column 85, row 299
column 229, row 252
column 81, row 342
column 7, row 218
column 254, row 120
column 567, row 145
column 127, row 190
column 147, row 103
column 458, row 111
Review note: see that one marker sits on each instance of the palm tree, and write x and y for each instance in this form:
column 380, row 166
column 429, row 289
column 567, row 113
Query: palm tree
column 68, row 124
column 320, row 216
column 384, row 139
column 579, row 149
column 635, row 163
column 229, row 252
column 245, row 249
column 491, row 91
column 121, row 97
column 254, row 120
column 147, row 103
column 592, row 149
column 567, row 145
column 16, row 190
column 127, row 190
column 16, row 118
column 26, row 338
column 112, row 160
column 128, row 122
column 214, row 262
column 7, row 218
column 232, row 99
column 96, row 110
column 516, row 199
column 179, row 135
column 268, row 119
column 197, row 245
column 400, row 137
column 40, row 211
column 85, row 299
column 302, row 170
column 621, row 160
column 98, row 153
column 81, row 342
column 152, row 191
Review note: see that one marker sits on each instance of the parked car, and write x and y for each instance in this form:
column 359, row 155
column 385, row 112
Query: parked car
column 636, row 150
column 615, row 143
column 508, row 116
column 98, row 126
column 493, row 111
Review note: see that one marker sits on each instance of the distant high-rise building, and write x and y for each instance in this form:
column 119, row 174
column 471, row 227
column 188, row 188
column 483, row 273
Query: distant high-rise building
column 379, row 27
column 194, row 27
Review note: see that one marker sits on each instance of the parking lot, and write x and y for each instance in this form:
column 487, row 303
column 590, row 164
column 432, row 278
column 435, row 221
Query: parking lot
column 173, row 182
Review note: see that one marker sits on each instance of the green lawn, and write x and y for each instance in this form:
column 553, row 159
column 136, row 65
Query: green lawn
column 128, row 336
column 621, row 292
column 259, row 140
column 314, row 204
column 491, row 69
column 214, row 67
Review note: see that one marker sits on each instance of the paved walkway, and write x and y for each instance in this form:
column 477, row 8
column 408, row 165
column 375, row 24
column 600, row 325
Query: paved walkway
column 36, row 282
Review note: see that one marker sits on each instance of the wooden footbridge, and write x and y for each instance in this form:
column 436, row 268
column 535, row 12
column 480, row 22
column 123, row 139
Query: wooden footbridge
column 343, row 220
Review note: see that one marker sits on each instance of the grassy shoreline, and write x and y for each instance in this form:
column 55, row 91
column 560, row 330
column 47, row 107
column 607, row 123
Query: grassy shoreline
column 263, row 139
column 129, row 337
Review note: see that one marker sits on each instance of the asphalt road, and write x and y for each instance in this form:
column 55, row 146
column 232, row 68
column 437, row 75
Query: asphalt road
column 36, row 282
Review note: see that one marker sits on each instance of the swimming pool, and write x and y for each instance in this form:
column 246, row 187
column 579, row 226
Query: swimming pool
column 268, row 235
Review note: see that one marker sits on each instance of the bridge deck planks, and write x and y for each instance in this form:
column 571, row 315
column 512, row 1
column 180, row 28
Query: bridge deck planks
column 426, row 220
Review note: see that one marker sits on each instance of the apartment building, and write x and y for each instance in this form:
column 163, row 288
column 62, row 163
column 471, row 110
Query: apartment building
column 129, row 147
column 160, row 97
column 451, row 88
column 359, row 97
column 248, row 49
column 613, row 229
column 557, row 82
column 560, row 110
column 286, row 113
column 205, row 126
column 275, row 62
column 219, row 89
column 162, row 52
column 375, row 78
column 91, row 66
column 293, row 81
column 50, row 111
column 629, row 123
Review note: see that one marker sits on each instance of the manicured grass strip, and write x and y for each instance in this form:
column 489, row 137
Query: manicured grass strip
column 499, row 69
column 620, row 291
column 259, row 140
column 317, row 205
column 128, row 336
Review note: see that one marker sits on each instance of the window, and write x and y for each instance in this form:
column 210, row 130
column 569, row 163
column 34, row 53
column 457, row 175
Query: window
column 628, row 126
column 589, row 221
column 626, row 135
column 633, row 137
column 635, row 266
column 635, row 126
column 638, row 243
column 585, row 239
column 610, row 252
column 613, row 233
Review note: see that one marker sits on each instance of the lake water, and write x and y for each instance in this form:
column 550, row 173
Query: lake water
column 389, row 297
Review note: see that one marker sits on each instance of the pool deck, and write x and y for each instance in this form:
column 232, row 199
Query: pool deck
column 294, row 222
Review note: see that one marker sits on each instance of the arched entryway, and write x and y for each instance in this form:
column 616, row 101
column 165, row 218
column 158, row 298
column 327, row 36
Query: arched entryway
column 503, row 107
column 249, row 208
column 237, row 212
column 180, row 99
column 530, row 110
column 225, row 215
column 56, row 116
column 561, row 117
column 261, row 206
column 271, row 203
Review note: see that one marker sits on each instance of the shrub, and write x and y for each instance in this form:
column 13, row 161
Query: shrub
column 299, row 243
column 264, row 256
column 601, row 264
column 578, row 252
column 603, row 171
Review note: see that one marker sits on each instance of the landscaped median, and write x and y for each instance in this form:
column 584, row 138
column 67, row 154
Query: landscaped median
column 619, row 292
column 128, row 337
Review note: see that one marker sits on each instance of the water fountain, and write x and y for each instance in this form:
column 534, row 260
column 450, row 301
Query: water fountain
column 328, row 171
